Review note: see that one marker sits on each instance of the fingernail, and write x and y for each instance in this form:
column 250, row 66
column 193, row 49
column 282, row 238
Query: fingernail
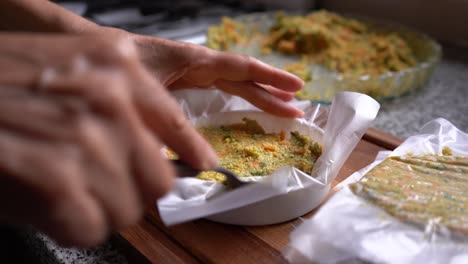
column 297, row 78
column 299, row 112
column 302, row 83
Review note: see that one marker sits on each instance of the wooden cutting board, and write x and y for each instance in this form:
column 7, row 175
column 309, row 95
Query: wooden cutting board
column 203, row 241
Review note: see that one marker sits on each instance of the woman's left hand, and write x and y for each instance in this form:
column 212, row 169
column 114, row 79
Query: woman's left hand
column 181, row 65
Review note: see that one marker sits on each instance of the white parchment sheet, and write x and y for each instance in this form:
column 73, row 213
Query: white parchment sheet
column 347, row 227
column 337, row 128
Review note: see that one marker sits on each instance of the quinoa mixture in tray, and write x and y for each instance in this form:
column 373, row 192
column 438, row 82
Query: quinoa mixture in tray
column 345, row 45
column 332, row 52
column 420, row 189
column 247, row 150
column 341, row 44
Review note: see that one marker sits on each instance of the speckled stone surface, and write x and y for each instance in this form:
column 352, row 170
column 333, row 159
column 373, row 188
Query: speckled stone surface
column 105, row 254
column 446, row 95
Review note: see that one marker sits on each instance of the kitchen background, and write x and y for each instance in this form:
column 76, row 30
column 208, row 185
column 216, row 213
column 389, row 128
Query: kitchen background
column 445, row 20
column 188, row 20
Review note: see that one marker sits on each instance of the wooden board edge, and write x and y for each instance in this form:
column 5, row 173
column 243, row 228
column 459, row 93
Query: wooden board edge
column 128, row 249
column 134, row 244
column 211, row 230
column 382, row 139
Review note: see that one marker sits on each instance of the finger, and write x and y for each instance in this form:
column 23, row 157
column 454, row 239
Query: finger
column 61, row 205
column 107, row 172
column 106, row 137
column 153, row 173
column 283, row 95
column 166, row 119
column 260, row 98
column 28, row 157
column 236, row 67
column 107, row 96
column 104, row 133
column 40, row 115
column 78, row 222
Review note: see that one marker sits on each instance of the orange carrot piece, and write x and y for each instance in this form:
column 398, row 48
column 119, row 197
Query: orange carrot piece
column 282, row 135
column 299, row 152
column 269, row 147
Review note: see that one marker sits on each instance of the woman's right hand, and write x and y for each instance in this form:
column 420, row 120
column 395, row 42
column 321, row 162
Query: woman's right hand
column 82, row 124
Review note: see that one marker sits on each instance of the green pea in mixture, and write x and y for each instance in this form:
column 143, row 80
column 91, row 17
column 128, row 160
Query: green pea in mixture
column 419, row 189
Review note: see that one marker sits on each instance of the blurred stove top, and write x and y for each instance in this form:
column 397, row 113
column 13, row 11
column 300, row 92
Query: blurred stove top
column 183, row 20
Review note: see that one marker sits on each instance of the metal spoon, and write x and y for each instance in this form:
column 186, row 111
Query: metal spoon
column 185, row 170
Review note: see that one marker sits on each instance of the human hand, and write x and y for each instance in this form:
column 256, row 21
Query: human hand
column 178, row 65
column 182, row 65
column 81, row 127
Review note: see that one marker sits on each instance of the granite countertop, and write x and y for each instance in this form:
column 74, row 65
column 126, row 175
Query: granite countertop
column 445, row 95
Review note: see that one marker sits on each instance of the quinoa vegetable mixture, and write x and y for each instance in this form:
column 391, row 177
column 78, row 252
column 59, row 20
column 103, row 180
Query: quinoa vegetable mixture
column 347, row 46
column 248, row 151
column 420, row 189
column 230, row 32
